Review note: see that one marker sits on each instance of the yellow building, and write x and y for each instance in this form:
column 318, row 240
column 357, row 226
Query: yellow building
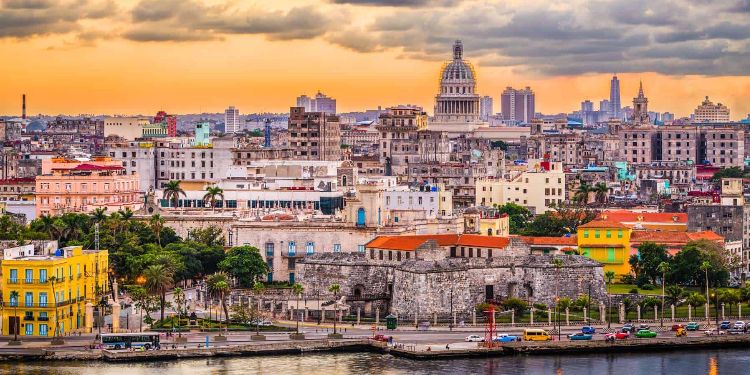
column 50, row 283
column 607, row 242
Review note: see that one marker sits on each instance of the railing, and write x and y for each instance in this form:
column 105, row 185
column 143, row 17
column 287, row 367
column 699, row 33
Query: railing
column 28, row 317
column 35, row 281
column 12, row 281
column 40, row 305
column 43, row 319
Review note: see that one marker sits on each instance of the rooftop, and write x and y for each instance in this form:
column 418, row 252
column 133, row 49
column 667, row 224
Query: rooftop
column 412, row 242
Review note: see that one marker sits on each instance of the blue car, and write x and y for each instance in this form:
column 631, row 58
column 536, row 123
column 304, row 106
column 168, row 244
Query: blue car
column 505, row 338
column 580, row 336
column 725, row 325
column 588, row 330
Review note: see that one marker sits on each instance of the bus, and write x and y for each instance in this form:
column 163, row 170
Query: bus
column 145, row 341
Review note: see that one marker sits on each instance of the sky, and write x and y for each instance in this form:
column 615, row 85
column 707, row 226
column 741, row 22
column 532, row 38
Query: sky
column 191, row 56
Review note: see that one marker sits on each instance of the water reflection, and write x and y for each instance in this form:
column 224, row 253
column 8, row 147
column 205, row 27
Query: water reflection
column 691, row 362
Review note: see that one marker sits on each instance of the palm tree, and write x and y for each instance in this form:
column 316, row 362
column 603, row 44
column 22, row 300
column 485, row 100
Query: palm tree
column 159, row 278
column 61, row 229
column 172, row 192
column 335, row 289
column 297, row 289
column 609, row 275
column 99, row 215
column 600, row 190
column 258, row 289
column 52, row 281
column 218, row 284
column 663, row 267
column 582, row 195
column 47, row 224
column 705, row 266
column 156, row 222
column 212, row 192
column 674, row 292
column 14, row 300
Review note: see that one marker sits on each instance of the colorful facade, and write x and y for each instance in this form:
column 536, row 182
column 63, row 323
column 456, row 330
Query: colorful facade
column 607, row 242
column 80, row 277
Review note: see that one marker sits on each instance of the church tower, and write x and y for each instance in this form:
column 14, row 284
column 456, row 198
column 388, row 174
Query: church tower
column 640, row 108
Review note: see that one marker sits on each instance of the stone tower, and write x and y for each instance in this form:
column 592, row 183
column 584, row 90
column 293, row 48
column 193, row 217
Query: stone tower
column 640, row 108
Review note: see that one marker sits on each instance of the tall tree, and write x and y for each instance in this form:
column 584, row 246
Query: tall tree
column 600, row 192
column 218, row 285
column 582, row 194
column 99, row 215
column 650, row 256
column 245, row 264
column 156, row 223
column 518, row 216
column 212, row 193
column 297, row 289
column 159, row 278
column 335, row 289
column 172, row 192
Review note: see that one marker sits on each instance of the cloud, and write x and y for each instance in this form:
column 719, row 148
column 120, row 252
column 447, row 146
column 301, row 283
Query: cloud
column 189, row 20
column 399, row 3
column 27, row 18
column 571, row 37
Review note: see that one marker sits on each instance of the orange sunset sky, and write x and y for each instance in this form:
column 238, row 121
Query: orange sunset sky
column 189, row 56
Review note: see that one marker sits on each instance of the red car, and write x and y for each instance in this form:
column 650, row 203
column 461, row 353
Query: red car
column 675, row 327
column 382, row 338
column 618, row 335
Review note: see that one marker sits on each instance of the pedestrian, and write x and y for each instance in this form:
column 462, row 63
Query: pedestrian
column 447, row 347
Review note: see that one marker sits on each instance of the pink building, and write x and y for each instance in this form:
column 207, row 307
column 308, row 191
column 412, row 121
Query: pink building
column 67, row 185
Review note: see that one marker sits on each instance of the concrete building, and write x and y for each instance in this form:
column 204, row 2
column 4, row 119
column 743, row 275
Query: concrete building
column 399, row 144
column 323, row 103
column 518, row 106
column 169, row 122
column 75, row 186
column 231, row 120
column 538, row 189
column 128, row 128
column 305, row 102
column 614, row 97
column 708, row 112
column 82, row 277
column 486, row 108
column 457, row 107
column 314, row 135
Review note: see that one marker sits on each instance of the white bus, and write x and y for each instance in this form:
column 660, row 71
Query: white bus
column 145, row 341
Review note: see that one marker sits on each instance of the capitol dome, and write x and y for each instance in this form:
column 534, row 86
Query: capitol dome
column 458, row 69
column 35, row 126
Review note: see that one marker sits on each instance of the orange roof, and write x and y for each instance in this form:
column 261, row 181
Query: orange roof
column 552, row 241
column 672, row 238
column 412, row 242
column 626, row 216
column 603, row 224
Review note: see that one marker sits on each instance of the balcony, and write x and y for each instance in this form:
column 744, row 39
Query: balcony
column 292, row 254
column 35, row 281
column 42, row 305
column 12, row 281
column 28, row 317
column 43, row 319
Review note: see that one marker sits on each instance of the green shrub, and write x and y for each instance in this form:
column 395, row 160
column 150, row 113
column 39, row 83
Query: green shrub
column 648, row 287
column 633, row 291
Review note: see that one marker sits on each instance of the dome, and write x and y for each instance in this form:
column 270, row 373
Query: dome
column 35, row 126
column 458, row 69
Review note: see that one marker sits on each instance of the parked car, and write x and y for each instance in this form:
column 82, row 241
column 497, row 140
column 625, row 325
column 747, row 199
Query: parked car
column 645, row 333
column 381, row 337
column 588, row 330
column 580, row 336
column 644, row 326
column 617, row 336
column 676, row 327
column 474, row 338
column 628, row 328
column 735, row 331
column 692, row 326
column 712, row 332
column 725, row 325
column 739, row 325
column 262, row 323
column 503, row 337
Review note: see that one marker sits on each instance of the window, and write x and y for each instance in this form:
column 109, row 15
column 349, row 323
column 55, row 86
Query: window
column 609, row 234
column 29, row 329
column 28, row 299
column 585, row 234
column 269, row 249
column 13, row 301
column 596, row 234
column 43, row 329
column 292, row 248
column 43, row 299
column 619, row 233
column 361, row 248
column 586, row 252
column 13, row 277
column 29, row 276
column 310, row 248
column 337, row 248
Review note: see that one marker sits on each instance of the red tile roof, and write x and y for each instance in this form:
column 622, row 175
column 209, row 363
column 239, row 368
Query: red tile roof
column 672, row 238
column 603, row 224
column 551, row 241
column 412, row 242
column 626, row 216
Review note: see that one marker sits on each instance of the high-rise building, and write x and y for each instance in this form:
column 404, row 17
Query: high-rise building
column 640, row 108
column 486, row 107
column 323, row 103
column 605, row 106
column 587, row 106
column 231, row 120
column 710, row 112
column 305, row 102
column 517, row 106
column 314, row 135
column 614, row 97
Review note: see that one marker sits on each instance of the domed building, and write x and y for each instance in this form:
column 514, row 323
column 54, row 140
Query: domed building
column 457, row 104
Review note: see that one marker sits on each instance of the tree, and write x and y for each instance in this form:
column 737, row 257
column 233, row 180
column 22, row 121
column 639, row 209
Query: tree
column 564, row 303
column 14, row 299
column 600, row 192
column 562, row 221
column 732, row 172
column 729, row 297
column 159, row 278
column 674, row 292
column 582, row 194
column 213, row 192
column 156, row 223
column 685, row 266
column 218, row 285
column 646, row 263
column 695, row 299
column 143, row 301
column 46, row 223
column 335, row 289
column 663, row 268
column 245, row 264
column 516, row 304
column 172, row 192
column 258, row 289
column 518, row 216
column 245, row 314
column 609, row 275
column 705, row 266
column 297, row 289
column 210, row 235
column 99, row 215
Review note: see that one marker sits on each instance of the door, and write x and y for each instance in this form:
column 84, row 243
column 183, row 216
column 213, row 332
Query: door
column 361, row 217
column 14, row 325
column 489, row 292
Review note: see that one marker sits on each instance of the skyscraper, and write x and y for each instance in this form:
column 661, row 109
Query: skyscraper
column 587, row 106
column 305, row 102
column 605, row 106
column 517, row 105
column 231, row 120
column 323, row 103
column 614, row 96
column 486, row 108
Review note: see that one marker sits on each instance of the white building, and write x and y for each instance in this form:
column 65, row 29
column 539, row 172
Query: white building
column 710, row 112
column 128, row 128
column 538, row 188
column 486, row 108
column 231, row 120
